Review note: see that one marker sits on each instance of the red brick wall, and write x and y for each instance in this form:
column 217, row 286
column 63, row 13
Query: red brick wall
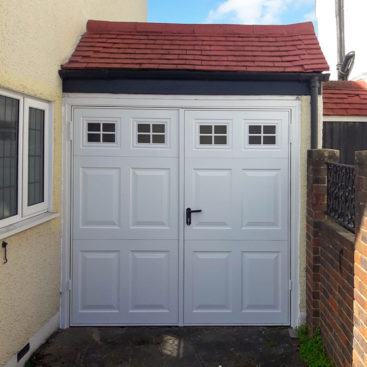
column 336, row 291
column 360, row 264
column 316, row 206
column 337, row 266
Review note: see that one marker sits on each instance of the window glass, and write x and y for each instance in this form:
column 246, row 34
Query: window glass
column 151, row 133
column 9, row 135
column 262, row 135
column 104, row 132
column 213, row 134
column 36, row 154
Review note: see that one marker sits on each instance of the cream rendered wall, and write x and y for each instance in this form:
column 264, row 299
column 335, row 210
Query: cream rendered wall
column 35, row 38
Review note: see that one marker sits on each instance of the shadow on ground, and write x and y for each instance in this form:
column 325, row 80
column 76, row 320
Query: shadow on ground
column 169, row 346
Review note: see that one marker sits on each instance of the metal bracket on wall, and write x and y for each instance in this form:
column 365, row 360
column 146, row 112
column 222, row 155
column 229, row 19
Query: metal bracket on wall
column 3, row 245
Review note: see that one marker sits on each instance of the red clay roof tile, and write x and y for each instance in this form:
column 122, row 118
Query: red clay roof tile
column 345, row 98
column 220, row 47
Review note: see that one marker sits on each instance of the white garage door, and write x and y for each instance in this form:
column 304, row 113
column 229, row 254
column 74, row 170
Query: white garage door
column 126, row 229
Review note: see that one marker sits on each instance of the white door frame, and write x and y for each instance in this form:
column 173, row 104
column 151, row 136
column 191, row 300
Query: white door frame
column 291, row 104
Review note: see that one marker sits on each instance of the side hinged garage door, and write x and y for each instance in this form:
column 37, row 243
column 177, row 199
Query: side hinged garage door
column 125, row 238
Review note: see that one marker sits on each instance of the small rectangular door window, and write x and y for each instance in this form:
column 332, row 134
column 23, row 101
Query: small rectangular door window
column 213, row 134
column 101, row 132
column 151, row 133
column 262, row 134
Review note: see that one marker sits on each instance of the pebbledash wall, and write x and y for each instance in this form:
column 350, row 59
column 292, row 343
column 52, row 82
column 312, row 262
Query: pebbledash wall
column 337, row 265
column 36, row 37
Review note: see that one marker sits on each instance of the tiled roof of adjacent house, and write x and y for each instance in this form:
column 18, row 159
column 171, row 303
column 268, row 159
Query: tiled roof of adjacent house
column 345, row 98
column 202, row 47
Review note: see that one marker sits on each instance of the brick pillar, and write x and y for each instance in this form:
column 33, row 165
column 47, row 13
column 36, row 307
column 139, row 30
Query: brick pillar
column 316, row 206
column 360, row 263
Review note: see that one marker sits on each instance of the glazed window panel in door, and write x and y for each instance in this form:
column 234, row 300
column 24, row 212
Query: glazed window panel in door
column 150, row 133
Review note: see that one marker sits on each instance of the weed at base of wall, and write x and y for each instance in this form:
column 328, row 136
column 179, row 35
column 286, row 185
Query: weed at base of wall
column 312, row 349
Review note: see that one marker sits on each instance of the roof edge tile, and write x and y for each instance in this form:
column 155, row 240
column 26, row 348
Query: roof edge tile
column 97, row 26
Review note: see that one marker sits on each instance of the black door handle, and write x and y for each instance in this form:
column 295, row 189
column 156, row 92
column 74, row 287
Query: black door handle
column 188, row 214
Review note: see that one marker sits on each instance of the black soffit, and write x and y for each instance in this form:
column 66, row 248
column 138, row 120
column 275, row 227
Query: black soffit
column 187, row 82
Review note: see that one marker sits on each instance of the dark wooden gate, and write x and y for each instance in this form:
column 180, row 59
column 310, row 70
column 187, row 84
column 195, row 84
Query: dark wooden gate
column 348, row 137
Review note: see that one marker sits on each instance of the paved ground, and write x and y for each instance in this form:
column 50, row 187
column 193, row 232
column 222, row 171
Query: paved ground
column 169, row 346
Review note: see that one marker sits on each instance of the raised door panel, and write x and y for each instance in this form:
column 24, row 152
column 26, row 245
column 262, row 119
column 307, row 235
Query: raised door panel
column 211, row 288
column 149, row 272
column 265, row 282
column 209, row 283
column 152, row 194
column 212, row 192
column 261, row 281
column 100, row 277
column 261, row 199
column 98, row 198
column 150, row 199
column 125, row 198
column 150, row 284
column 97, row 274
column 264, row 197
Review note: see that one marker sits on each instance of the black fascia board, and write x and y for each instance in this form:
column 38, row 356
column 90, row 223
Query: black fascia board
column 187, row 82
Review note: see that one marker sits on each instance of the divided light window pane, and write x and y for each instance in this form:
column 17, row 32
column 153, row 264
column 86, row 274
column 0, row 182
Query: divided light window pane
column 9, row 132
column 36, row 155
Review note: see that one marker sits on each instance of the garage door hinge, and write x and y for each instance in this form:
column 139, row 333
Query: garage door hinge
column 70, row 130
column 290, row 134
column 290, row 285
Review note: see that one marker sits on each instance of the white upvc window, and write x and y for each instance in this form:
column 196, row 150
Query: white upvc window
column 24, row 157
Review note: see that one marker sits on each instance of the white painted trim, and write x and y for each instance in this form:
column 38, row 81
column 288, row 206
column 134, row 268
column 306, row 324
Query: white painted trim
column 168, row 101
column 345, row 118
column 181, row 218
column 23, row 220
column 66, row 217
column 36, row 341
column 295, row 215
column 42, row 206
column 26, row 223
column 290, row 103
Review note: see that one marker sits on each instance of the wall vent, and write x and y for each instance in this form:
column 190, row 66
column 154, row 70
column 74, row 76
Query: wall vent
column 23, row 352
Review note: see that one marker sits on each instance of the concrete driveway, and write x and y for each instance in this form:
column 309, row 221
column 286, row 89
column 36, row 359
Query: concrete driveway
column 169, row 346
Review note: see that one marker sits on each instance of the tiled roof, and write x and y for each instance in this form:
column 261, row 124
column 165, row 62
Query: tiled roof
column 345, row 98
column 203, row 47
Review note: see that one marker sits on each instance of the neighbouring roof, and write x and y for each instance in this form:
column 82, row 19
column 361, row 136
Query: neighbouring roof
column 202, row 47
column 345, row 98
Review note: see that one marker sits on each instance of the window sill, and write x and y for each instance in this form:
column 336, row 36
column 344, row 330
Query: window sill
column 25, row 224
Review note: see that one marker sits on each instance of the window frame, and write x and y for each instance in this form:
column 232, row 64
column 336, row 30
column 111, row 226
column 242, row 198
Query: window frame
column 101, row 121
column 24, row 211
column 213, row 123
column 42, row 206
column 262, row 146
